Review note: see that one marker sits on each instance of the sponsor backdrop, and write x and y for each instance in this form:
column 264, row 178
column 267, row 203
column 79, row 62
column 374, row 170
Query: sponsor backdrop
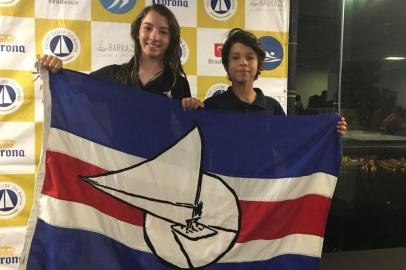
column 90, row 34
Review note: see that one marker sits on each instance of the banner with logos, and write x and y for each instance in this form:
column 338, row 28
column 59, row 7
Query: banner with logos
column 88, row 35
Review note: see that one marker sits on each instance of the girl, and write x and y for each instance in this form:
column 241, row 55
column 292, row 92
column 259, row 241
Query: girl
column 155, row 66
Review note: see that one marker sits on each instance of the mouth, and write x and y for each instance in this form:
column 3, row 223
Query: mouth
column 153, row 45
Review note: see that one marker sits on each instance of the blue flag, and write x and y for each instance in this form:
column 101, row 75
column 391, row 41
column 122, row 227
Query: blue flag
column 128, row 180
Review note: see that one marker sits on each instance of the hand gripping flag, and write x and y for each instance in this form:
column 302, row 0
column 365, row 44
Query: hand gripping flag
column 128, row 180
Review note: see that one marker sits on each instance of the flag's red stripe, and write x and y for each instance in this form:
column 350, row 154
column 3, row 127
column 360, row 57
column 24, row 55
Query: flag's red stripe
column 62, row 181
column 305, row 215
column 259, row 220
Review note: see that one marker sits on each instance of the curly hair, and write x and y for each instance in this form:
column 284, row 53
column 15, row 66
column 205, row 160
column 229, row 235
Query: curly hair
column 128, row 73
column 248, row 39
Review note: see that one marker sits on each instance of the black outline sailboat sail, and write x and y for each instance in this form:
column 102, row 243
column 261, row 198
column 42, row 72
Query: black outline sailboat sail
column 176, row 194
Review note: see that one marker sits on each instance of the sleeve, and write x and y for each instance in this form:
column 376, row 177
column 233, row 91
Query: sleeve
column 181, row 89
column 278, row 109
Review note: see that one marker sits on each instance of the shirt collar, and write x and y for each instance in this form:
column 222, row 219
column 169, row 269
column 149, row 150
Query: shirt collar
column 258, row 102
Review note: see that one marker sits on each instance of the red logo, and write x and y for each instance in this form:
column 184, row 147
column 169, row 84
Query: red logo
column 217, row 49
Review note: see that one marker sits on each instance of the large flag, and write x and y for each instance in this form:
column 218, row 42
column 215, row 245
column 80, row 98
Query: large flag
column 128, row 180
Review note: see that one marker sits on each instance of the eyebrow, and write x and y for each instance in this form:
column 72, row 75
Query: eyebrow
column 148, row 23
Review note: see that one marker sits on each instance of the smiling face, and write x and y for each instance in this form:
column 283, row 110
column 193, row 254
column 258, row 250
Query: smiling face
column 154, row 36
column 242, row 64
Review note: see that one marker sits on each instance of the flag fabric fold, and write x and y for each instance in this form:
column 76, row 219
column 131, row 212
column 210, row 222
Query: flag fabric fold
column 128, row 180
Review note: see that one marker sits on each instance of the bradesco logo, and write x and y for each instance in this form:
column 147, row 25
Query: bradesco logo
column 7, row 3
column 118, row 6
column 12, row 200
column 217, row 49
column 221, row 9
column 63, row 43
column 11, row 95
column 273, row 52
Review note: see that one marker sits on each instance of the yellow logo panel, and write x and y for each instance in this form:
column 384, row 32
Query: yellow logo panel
column 188, row 46
column 17, row 96
column 18, row 8
column 221, row 14
column 17, row 193
column 117, row 11
column 68, row 39
column 211, row 85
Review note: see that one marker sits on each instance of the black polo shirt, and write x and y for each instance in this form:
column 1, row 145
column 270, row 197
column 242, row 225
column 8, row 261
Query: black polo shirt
column 229, row 101
column 160, row 85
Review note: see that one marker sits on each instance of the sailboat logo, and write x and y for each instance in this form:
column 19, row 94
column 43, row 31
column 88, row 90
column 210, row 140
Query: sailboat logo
column 221, row 9
column 118, row 6
column 63, row 43
column 185, row 51
column 192, row 218
column 12, row 200
column 11, row 95
column 273, row 52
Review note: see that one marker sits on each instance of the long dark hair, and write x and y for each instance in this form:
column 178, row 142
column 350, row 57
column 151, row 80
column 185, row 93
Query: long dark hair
column 128, row 73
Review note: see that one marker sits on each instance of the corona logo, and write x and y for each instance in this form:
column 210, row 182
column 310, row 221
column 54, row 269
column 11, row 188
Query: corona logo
column 220, row 9
column 5, row 46
column 63, row 43
column 172, row 3
column 6, row 38
column 12, row 200
column 6, row 143
column 11, row 95
column 118, row 6
column 6, row 251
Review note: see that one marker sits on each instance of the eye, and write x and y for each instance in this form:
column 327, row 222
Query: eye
column 147, row 27
column 164, row 32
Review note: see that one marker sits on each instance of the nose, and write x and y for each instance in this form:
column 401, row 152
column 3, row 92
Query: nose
column 244, row 61
column 155, row 33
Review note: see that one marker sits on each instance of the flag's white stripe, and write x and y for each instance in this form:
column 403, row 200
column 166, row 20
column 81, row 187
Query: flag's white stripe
column 258, row 250
column 93, row 153
column 283, row 188
column 246, row 188
column 80, row 216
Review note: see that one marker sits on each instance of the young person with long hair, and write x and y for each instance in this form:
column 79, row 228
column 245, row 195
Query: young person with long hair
column 155, row 66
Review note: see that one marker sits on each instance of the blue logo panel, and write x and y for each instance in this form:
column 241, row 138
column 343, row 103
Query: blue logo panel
column 273, row 52
column 118, row 6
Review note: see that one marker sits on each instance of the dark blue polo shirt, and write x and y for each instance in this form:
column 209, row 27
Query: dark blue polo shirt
column 229, row 101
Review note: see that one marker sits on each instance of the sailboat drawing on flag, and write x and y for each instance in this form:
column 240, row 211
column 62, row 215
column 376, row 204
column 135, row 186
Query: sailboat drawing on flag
column 4, row 96
column 192, row 217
